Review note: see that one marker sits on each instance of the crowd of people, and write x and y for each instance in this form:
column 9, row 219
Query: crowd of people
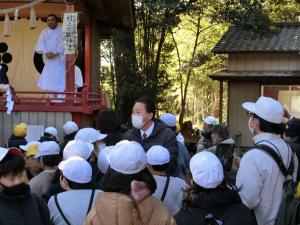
column 150, row 174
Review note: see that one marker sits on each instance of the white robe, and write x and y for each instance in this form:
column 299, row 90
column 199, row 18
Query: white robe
column 78, row 78
column 53, row 76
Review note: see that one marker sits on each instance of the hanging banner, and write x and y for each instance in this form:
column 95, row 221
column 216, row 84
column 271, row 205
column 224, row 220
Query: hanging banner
column 70, row 35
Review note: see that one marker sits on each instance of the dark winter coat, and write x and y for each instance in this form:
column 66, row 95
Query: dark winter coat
column 15, row 141
column 224, row 204
column 161, row 135
column 24, row 210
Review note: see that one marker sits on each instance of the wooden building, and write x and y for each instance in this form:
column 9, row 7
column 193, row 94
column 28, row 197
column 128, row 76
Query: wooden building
column 259, row 64
column 97, row 19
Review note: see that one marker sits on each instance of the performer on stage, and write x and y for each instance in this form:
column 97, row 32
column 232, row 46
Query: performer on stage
column 50, row 44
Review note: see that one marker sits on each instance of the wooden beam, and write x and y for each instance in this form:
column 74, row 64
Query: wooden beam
column 221, row 102
column 87, row 55
column 42, row 9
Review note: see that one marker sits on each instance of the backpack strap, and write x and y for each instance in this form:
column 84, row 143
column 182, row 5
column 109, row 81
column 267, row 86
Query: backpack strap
column 91, row 201
column 276, row 158
column 60, row 211
column 165, row 189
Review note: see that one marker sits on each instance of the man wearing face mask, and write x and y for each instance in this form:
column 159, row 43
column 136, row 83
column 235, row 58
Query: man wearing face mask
column 259, row 178
column 17, row 204
column 149, row 131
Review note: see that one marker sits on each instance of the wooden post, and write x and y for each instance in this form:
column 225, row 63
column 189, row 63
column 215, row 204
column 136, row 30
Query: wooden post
column 70, row 68
column 221, row 102
column 87, row 56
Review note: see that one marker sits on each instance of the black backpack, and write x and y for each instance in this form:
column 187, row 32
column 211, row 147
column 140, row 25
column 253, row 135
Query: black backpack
column 289, row 211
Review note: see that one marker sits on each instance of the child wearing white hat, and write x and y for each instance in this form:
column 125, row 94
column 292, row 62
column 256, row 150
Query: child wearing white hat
column 205, row 138
column 127, row 187
column 70, row 129
column 50, row 134
column 92, row 136
column 33, row 165
column 211, row 198
column 169, row 189
column 95, row 138
column 76, row 180
column 49, row 156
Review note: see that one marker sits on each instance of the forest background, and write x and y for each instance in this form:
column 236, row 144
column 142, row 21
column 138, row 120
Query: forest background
column 168, row 56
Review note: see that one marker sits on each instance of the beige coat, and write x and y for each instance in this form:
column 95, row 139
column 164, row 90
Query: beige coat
column 118, row 209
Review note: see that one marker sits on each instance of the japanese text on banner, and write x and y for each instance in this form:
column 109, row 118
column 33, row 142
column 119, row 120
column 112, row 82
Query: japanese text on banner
column 70, row 35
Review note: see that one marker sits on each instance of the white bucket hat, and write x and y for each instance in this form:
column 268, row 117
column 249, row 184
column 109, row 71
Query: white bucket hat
column 158, row 155
column 207, row 170
column 89, row 135
column 127, row 157
column 266, row 108
column 76, row 169
column 78, row 148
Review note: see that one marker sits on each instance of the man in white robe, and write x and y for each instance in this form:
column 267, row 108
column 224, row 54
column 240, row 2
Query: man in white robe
column 50, row 44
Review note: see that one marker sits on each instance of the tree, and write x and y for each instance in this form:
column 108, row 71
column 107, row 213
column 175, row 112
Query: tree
column 128, row 80
column 155, row 21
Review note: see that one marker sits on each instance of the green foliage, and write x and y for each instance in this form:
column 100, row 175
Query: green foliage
column 169, row 57
column 246, row 14
column 155, row 20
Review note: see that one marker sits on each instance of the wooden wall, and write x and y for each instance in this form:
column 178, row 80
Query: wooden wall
column 55, row 119
column 238, row 93
column 264, row 62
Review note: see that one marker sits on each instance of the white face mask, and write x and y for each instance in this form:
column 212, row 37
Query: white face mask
column 251, row 129
column 137, row 121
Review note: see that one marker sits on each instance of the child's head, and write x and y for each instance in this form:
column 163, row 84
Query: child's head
column 49, row 154
column 158, row 159
column 31, row 150
column 12, row 166
column 51, row 133
column 76, row 173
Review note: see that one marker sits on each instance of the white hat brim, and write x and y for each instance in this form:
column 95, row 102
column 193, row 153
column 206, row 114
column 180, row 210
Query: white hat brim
column 3, row 153
column 249, row 106
column 24, row 147
column 101, row 137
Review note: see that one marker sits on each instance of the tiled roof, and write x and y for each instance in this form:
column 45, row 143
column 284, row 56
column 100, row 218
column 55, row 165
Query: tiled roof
column 285, row 37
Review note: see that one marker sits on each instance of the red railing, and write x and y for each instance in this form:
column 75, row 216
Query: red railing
column 85, row 101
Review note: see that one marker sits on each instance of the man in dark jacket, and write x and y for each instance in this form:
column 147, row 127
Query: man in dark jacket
column 149, row 131
column 17, row 204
